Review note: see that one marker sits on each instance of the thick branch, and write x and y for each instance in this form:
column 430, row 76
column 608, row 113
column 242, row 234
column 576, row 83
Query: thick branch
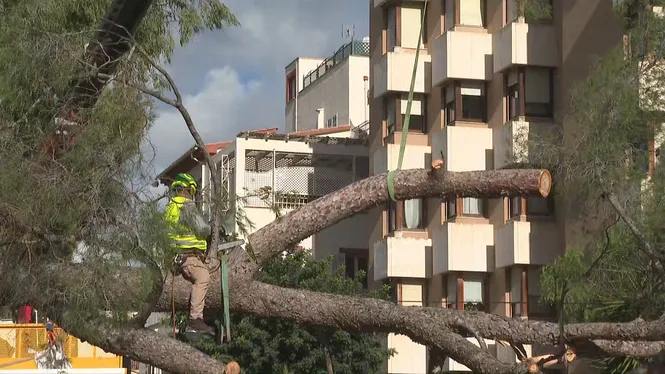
column 145, row 346
column 645, row 245
column 368, row 193
column 422, row 324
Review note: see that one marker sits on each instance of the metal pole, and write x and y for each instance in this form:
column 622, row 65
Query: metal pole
column 274, row 165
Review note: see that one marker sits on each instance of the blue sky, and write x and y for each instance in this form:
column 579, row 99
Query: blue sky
column 233, row 80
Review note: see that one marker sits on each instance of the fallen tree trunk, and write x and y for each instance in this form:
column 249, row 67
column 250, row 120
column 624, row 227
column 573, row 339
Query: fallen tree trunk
column 360, row 196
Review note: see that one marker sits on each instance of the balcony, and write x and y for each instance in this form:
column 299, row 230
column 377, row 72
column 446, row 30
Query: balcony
column 514, row 141
column 410, row 357
column 401, row 257
column 462, row 55
column 463, row 247
column 392, row 73
column 415, row 157
column 451, row 365
column 520, row 43
column 527, row 243
column 464, row 148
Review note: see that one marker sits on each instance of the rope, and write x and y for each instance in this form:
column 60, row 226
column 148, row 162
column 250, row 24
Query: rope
column 407, row 117
column 224, row 266
column 173, row 305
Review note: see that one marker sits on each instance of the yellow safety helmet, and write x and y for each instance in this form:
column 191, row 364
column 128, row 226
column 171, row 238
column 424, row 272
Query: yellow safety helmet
column 185, row 180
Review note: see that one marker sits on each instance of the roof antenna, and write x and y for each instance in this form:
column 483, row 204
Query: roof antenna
column 348, row 32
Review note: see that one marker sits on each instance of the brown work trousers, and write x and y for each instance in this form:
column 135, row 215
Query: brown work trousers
column 198, row 273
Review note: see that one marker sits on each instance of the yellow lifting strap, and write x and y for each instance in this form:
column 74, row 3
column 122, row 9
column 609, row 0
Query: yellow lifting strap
column 407, row 117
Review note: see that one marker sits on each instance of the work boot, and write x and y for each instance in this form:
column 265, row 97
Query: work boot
column 198, row 325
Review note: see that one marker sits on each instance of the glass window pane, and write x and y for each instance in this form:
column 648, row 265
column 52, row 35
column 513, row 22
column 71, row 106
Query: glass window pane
column 362, row 265
column 451, row 207
column 472, row 206
column 537, row 205
column 349, row 266
column 473, row 291
column 413, row 213
column 514, row 207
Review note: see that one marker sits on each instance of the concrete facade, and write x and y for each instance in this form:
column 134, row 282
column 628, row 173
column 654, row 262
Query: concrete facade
column 486, row 77
column 323, row 93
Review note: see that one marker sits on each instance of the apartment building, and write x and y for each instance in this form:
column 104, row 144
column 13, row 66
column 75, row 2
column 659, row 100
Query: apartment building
column 329, row 92
column 486, row 74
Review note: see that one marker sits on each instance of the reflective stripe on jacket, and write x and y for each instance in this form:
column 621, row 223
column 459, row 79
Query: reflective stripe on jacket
column 182, row 236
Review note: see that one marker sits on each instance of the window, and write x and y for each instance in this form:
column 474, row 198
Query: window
column 473, row 293
column 472, row 206
column 391, row 28
column 467, row 291
column 538, row 206
column 451, row 208
column 538, row 82
column 465, row 101
column 332, row 121
column 529, row 92
column 530, row 206
column 466, row 206
column 513, row 97
column 395, row 120
column 291, row 87
column 514, row 207
column 402, row 26
column 410, row 16
column 406, row 215
column 389, row 114
column 413, row 214
column 356, row 260
column 465, row 13
column 392, row 216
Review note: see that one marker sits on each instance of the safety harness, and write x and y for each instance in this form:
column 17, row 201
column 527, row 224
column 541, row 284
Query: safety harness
column 223, row 321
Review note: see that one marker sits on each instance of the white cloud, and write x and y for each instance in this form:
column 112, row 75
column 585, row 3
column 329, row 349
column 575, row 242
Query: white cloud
column 234, row 79
column 216, row 110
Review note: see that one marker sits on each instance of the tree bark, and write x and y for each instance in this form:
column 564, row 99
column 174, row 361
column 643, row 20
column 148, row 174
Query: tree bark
column 145, row 346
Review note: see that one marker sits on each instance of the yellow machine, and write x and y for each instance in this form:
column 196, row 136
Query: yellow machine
column 20, row 342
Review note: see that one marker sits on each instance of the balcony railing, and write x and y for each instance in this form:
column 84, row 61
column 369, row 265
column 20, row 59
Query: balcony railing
column 352, row 48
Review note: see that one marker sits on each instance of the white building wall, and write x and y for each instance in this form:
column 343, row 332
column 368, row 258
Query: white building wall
column 341, row 90
column 358, row 89
column 330, row 92
column 302, row 66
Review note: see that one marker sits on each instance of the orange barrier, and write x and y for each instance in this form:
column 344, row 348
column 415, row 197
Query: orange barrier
column 18, row 340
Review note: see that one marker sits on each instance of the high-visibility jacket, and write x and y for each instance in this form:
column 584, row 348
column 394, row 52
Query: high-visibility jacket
column 189, row 233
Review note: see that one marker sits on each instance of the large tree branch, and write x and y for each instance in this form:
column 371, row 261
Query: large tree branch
column 360, row 196
column 425, row 325
column 645, row 245
column 144, row 346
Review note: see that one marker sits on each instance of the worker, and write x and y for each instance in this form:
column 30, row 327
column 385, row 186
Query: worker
column 189, row 231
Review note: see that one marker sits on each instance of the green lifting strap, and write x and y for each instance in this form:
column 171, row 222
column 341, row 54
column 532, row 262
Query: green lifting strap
column 224, row 266
column 407, row 117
